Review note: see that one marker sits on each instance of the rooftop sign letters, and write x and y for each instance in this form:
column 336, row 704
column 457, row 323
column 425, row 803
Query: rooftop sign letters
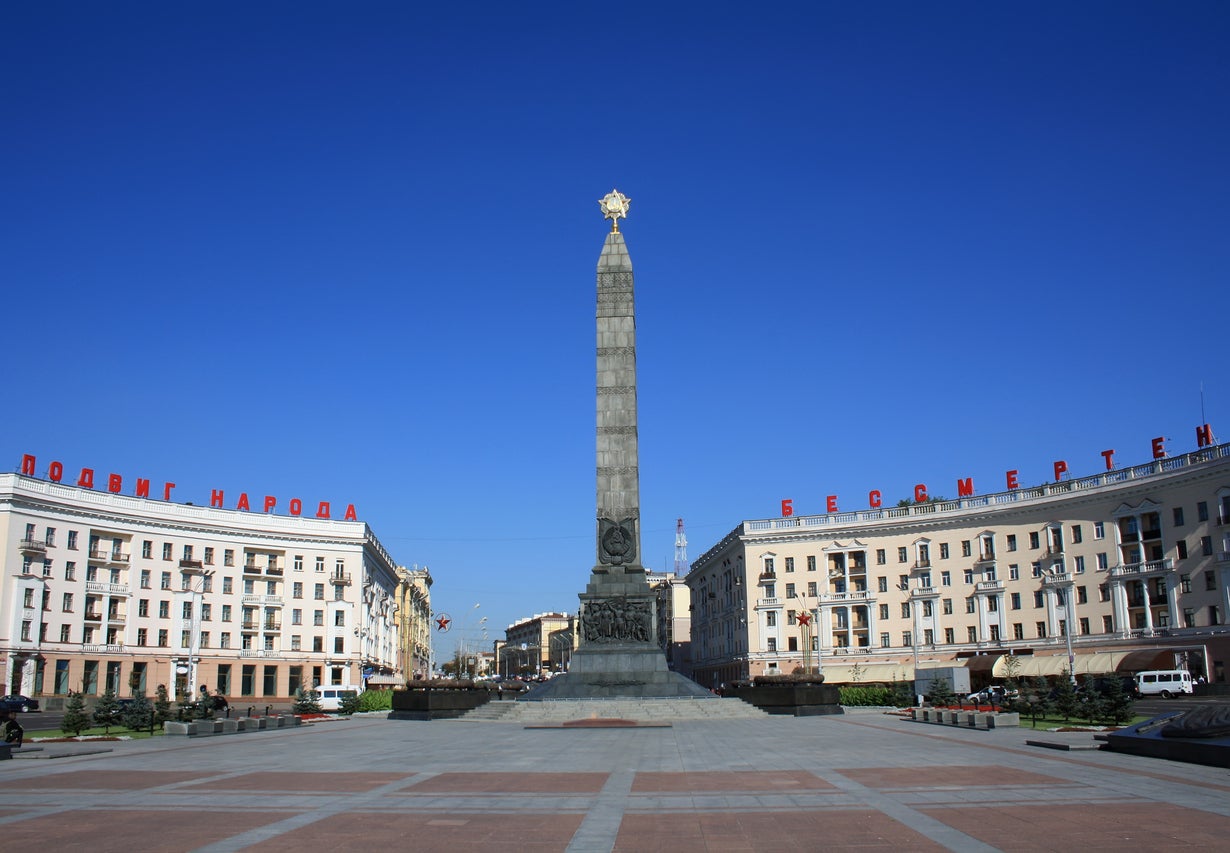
column 965, row 487
column 115, row 485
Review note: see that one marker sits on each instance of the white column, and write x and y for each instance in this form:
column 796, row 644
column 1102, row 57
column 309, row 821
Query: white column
column 1052, row 611
column 1119, row 608
column 1144, row 587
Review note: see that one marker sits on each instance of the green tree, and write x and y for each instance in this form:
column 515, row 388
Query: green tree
column 941, row 694
column 162, row 705
column 76, row 717
column 1065, row 696
column 307, row 700
column 1034, row 699
column 107, row 711
column 1090, row 705
column 1118, row 709
column 138, row 714
column 204, row 705
column 350, row 704
column 902, row 693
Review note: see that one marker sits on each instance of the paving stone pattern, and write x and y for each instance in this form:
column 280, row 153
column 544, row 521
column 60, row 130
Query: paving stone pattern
column 865, row 781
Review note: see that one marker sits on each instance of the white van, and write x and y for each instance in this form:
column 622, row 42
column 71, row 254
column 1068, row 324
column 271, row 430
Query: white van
column 331, row 697
column 1164, row 682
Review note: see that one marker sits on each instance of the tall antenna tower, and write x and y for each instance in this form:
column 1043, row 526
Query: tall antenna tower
column 681, row 550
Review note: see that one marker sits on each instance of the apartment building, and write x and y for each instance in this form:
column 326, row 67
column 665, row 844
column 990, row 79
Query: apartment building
column 1122, row 571
column 102, row 590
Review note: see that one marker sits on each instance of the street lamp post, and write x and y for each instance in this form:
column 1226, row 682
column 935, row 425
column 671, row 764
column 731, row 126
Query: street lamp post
column 1062, row 583
column 197, row 591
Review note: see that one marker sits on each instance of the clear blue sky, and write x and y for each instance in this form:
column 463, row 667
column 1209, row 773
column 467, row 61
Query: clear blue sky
column 347, row 253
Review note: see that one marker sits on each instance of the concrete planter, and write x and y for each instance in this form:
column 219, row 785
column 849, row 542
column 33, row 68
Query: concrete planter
column 798, row 700
column 436, row 703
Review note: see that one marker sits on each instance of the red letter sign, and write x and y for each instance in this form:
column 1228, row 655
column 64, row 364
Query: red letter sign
column 1061, row 468
column 873, row 498
column 965, row 488
column 787, row 507
column 1013, row 482
column 831, row 503
column 920, row 493
column 1204, row 436
column 1159, row 450
column 1109, row 456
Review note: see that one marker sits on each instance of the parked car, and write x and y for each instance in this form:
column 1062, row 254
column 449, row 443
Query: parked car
column 1102, row 685
column 993, row 695
column 18, row 703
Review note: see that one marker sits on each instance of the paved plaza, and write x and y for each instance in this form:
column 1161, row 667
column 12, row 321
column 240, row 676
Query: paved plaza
column 865, row 781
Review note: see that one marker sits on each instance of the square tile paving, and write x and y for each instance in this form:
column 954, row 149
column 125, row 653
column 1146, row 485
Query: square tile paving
column 510, row 783
column 722, row 781
column 305, row 783
column 1111, row 826
column 828, row 830
column 428, row 833
column 942, row 776
column 126, row 830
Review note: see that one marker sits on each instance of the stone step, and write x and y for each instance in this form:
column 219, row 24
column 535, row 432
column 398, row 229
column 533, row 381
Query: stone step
column 640, row 710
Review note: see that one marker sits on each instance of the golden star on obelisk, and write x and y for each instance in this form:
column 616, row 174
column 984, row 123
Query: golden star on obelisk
column 614, row 206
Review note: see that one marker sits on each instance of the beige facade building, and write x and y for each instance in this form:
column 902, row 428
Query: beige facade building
column 105, row 590
column 414, row 621
column 541, row 643
column 1130, row 569
column 674, row 619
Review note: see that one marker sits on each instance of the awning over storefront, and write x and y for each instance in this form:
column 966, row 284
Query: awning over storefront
column 1090, row 663
column 867, row 673
column 980, row 663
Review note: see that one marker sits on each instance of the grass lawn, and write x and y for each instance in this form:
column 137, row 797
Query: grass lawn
column 116, row 731
column 1055, row 722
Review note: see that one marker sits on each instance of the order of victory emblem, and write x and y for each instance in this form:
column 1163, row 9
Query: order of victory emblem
column 614, row 207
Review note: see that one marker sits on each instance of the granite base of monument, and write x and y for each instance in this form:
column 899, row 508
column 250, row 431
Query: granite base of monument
column 1200, row 735
column 618, row 672
column 798, row 700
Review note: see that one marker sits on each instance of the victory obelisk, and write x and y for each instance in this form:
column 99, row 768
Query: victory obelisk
column 618, row 655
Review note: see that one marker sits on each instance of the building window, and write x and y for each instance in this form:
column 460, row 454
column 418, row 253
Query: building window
column 770, row 619
column 943, row 550
column 1181, row 548
column 966, row 548
column 789, row 564
column 1018, row 631
column 882, row 584
column 318, row 617
column 1079, row 563
column 1076, row 534
column 1185, row 583
column 1210, row 582
column 296, row 617
column 881, row 558
column 1202, row 511
column 224, row 642
column 1015, row 601
column 143, row 607
column 1038, row 598
column 320, row 564
column 70, row 571
column 811, row 588
column 1189, row 617
column 902, row 554
column 971, row 606
column 905, row 610
column 772, row 644
column 907, row 638
column 945, row 578
column 165, row 580
column 885, row 640
column 1033, row 540
column 339, row 619
column 319, row 592
column 811, row 564
column 1206, row 546
column 298, row 562
column 166, row 550
column 1011, row 541
column 1099, row 530
column 163, row 638
column 1041, row 629
column 72, row 540
column 790, row 591
column 969, row 576
column 946, row 606
column 318, row 644
column 209, row 556
column 1178, row 516
column 228, row 557
column 883, row 611
column 296, row 642
column 226, row 613
column 228, row 586
column 164, row 610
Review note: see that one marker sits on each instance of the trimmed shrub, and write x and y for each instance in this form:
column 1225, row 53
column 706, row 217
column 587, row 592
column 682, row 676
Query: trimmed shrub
column 870, row 696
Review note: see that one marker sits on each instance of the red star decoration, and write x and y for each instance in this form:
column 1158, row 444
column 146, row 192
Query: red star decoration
column 442, row 623
column 804, row 618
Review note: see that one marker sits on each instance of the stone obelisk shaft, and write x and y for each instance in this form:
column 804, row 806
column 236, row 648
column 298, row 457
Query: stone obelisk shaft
column 619, row 500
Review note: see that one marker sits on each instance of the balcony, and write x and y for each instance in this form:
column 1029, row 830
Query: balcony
column 250, row 626
column 112, row 556
column 1223, row 520
column 1136, row 570
column 32, row 546
column 985, row 587
column 340, row 579
column 93, row 616
column 259, row 653
column 104, row 588
column 272, row 626
column 768, row 602
column 1058, row 580
column 191, row 566
column 275, row 570
column 924, row 592
column 101, row 648
column 767, row 577
column 856, row 597
column 922, row 564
